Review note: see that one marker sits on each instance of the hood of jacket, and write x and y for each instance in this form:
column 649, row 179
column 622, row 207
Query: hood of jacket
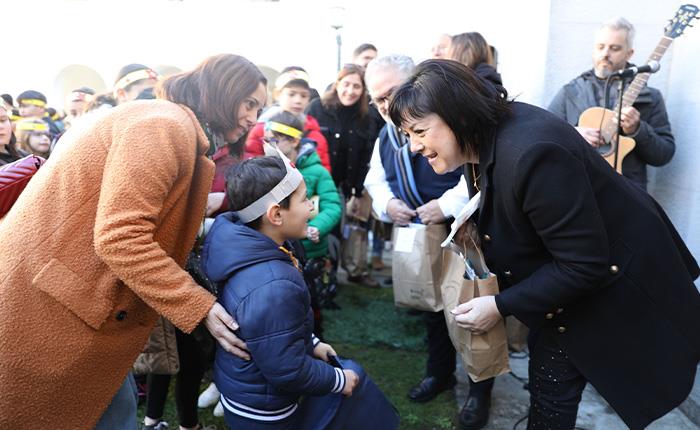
column 231, row 246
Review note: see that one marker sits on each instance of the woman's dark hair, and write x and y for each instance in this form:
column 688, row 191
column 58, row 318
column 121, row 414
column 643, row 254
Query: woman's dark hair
column 215, row 89
column 330, row 99
column 469, row 105
column 251, row 179
column 471, row 50
column 362, row 48
column 11, row 146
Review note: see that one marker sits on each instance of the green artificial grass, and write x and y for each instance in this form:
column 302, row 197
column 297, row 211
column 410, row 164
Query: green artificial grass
column 387, row 341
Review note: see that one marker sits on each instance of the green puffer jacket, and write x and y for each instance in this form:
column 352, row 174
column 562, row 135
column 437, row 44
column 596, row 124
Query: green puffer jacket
column 319, row 183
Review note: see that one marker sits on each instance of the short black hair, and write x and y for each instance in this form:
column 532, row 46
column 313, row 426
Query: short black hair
column 288, row 119
column 251, row 179
column 8, row 99
column 471, row 106
column 31, row 95
column 362, row 48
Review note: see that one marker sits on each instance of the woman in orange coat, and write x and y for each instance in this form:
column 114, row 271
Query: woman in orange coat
column 93, row 250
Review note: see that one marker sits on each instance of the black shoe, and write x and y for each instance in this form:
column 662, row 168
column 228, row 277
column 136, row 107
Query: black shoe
column 430, row 387
column 475, row 413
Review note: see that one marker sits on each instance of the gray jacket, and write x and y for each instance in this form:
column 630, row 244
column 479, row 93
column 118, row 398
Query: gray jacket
column 654, row 141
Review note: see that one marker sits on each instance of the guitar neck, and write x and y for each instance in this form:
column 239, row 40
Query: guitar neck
column 610, row 127
column 641, row 79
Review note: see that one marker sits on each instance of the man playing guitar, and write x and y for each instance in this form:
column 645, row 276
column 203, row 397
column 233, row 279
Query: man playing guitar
column 645, row 121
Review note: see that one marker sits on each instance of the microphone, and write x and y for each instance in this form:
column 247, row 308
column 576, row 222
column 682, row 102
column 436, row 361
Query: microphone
column 651, row 67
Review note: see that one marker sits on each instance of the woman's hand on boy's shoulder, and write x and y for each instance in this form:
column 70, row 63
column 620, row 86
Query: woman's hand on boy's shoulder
column 323, row 350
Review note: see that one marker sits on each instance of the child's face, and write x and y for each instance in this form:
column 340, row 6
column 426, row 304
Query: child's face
column 294, row 99
column 285, row 144
column 295, row 219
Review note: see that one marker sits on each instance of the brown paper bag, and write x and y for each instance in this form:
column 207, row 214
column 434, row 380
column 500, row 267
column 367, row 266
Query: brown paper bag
column 353, row 249
column 416, row 266
column 364, row 207
column 486, row 355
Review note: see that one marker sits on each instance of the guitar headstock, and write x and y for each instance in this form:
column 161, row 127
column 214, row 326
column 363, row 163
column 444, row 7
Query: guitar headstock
column 681, row 20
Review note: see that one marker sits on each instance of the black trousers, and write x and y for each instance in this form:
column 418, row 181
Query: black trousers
column 187, row 382
column 442, row 354
column 555, row 384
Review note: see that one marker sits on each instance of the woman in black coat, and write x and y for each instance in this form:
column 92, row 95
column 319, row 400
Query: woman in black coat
column 584, row 257
column 350, row 127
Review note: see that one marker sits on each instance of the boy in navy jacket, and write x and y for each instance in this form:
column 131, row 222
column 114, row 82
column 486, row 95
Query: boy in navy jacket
column 263, row 288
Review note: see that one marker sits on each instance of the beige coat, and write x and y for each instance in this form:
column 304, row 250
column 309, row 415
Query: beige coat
column 91, row 253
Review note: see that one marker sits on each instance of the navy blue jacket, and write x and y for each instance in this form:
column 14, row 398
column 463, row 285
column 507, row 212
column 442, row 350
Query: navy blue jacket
column 263, row 291
column 584, row 253
column 428, row 184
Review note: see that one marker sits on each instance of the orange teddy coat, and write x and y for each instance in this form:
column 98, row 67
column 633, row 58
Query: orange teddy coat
column 91, row 254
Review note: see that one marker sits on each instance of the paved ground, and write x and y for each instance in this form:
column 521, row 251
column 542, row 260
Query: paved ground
column 510, row 403
column 510, row 400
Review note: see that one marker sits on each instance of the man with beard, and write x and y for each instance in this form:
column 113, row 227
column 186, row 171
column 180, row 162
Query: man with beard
column 645, row 121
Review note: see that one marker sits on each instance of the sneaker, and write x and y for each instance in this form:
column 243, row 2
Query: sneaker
column 160, row 425
column 219, row 410
column 209, row 397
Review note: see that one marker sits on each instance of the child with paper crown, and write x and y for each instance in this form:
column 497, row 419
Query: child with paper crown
column 284, row 130
column 292, row 94
column 289, row 383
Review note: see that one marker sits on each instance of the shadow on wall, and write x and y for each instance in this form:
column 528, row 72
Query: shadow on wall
column 72, row 77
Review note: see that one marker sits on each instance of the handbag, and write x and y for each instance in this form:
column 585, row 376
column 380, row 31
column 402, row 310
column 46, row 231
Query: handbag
column 14, row 177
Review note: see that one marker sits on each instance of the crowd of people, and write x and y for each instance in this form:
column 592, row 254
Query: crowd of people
column 194, row 221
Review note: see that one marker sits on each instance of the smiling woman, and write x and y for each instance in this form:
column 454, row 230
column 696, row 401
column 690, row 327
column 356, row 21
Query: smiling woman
column 605, row 303
column 83, row 288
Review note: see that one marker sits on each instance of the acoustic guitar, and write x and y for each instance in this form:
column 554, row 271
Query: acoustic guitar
column 603, row 119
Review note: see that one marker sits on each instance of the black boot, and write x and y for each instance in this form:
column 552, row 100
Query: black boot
column 475, row 413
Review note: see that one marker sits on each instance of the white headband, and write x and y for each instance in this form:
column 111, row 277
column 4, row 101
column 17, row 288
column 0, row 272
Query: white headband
column 281, row 191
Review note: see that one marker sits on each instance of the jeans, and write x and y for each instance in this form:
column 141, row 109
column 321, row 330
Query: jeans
column 121, row 412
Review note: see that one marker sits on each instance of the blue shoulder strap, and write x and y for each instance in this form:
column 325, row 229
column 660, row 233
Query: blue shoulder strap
column 405, row 175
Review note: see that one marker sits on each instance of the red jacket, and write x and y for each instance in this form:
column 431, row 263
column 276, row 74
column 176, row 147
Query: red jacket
column 254, row 144
column 223, row 161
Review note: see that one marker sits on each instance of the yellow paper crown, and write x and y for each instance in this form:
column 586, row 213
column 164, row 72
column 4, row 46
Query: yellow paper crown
column 35, row 102
column 284, row 129
column 32, row 126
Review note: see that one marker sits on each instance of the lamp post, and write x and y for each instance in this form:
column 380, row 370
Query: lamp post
column 337, row 15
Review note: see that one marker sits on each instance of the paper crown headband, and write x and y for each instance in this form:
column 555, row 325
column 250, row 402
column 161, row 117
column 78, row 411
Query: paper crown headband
column 289, row 76
column 134, row 76
column 281, row 191
column 35, row 102
column 32, row 126
column 284, row 129
column 79, row 96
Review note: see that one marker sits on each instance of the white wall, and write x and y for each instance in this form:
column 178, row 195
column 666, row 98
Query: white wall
column 572, row 25
column 107, row 34
column 542, row 45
